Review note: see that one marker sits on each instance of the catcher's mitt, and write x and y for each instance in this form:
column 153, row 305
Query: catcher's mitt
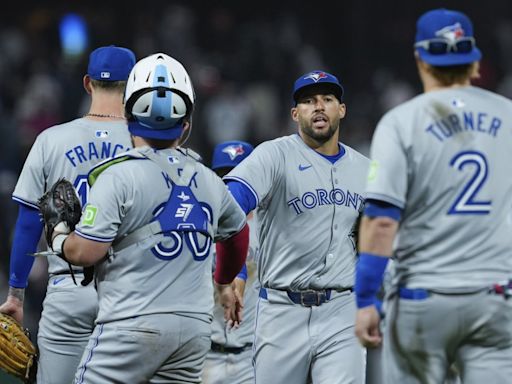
column 61, row 211
column 59, row 205
column 17, row 353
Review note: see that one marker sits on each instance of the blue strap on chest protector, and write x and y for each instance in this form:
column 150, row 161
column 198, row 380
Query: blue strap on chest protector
column 183, row 212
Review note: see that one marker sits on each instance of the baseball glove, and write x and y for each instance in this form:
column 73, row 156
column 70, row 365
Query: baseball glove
column 17, row 353
column 61, row 211
column 59, row 207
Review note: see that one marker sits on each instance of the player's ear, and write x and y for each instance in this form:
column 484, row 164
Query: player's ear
column 343, row 110
column 295, row 114
column 87, row 84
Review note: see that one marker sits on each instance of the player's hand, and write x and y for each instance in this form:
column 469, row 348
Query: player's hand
column 13, row 306
column 232, row 303
column 367, row 327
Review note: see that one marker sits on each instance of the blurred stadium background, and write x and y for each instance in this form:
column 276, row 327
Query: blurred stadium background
column 243, row 58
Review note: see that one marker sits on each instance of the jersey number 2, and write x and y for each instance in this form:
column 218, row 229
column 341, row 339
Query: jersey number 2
column 466, row 202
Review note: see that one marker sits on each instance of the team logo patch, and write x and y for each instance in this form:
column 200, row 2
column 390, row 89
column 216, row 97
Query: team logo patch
column 451, row 32
column 316, row 76
column 101, row 134
column 89, row 216
column 233, row 151
column 105, row 75
column 372, row 173
column 458, row 103
column 173, row 159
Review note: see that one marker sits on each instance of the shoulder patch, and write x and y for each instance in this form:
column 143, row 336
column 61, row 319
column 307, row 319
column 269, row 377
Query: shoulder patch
column 89, row 215
column 100, row 167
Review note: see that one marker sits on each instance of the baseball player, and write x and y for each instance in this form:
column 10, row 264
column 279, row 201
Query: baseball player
column 230, row 359
column 149, row 225
column 68, row 150
column 307, row 189
column 439, row 181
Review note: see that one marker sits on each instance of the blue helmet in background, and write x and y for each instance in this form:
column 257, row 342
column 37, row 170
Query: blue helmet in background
column 230, row 153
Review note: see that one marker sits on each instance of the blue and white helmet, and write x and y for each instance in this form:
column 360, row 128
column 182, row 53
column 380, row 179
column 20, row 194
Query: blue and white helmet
column 159, row 95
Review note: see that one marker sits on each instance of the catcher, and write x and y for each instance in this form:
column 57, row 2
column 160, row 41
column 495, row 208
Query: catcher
column 17, row 353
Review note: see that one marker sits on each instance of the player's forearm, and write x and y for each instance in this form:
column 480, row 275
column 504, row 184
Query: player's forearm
column 17, row 295
column 26, row 237
column 376, row 235
column 83, row 252
column 231, row 255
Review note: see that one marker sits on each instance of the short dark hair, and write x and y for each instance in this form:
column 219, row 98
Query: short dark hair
column 452, row 74
column 109, row 85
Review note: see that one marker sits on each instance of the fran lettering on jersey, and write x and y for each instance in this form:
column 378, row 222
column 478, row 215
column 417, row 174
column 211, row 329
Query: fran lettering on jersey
column 93, row 151
column 310, row 200
column 454, row 124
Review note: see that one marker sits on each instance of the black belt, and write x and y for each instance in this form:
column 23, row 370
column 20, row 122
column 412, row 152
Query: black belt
column 236, row 350
column 308, row 298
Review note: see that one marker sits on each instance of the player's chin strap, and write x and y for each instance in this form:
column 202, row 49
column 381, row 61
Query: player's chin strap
column 181, row 182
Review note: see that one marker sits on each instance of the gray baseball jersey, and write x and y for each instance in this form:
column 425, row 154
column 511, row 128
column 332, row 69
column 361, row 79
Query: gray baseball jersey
column 444, row 158
column 68, row 150
column 159, row 274
column 306, row 209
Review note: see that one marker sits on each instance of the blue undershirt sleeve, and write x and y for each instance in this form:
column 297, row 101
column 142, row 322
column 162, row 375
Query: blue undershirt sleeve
column 26, row 237
column 243, row 273
column 377, row 208
column 242, row 195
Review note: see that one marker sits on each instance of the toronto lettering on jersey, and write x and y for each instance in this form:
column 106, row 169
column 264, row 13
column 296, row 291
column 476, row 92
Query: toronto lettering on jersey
column 310, row 200
column 452, row 124
column 96, row 151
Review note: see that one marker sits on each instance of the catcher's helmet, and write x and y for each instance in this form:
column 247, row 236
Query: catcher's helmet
column 159, row 96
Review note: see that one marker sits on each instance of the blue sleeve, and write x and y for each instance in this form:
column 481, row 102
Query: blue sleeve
column 243, row 273
column 376, row 208
column 242, row 195
column 26, row 237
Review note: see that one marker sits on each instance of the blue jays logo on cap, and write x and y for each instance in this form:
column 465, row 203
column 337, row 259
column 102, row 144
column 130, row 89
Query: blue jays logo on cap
column 451, row 32
column 317, row 78
column 233, row 151
column 230, row 153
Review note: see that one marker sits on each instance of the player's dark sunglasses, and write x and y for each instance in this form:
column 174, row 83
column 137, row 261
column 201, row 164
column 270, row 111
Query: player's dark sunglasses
column 439, row 46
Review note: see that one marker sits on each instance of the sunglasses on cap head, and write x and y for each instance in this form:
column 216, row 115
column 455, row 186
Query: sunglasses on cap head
column 440, row 46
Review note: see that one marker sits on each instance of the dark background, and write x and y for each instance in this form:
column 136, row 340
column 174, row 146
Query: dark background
column 243, row 58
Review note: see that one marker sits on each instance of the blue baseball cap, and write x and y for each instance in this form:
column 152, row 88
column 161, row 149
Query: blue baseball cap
column 451, row 28
column 316, row 79
column 110, row 63
column 230, row 153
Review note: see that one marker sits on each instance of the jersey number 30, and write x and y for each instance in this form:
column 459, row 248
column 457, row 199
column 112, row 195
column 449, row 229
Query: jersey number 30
column 466, row 202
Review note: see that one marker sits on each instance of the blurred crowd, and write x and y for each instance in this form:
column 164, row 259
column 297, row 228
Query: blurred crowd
column 243, row 58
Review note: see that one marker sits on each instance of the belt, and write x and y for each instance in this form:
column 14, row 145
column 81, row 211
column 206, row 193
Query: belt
column 308, row 298
column 236, row 350
column 413, row 293
column 502, row 289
